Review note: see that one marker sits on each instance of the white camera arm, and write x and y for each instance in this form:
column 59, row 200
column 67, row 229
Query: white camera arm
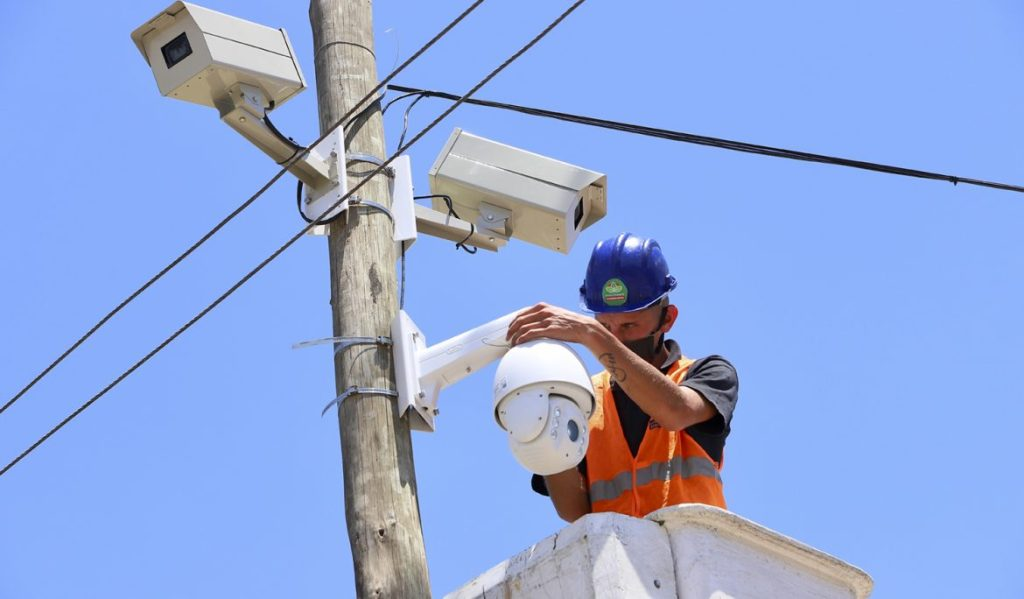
column 244, row 110
column 421, row 372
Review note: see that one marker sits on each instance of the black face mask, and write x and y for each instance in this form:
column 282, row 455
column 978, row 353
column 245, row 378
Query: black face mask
column 648, row 347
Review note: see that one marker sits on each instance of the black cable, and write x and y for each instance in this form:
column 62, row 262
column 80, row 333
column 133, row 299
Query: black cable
column 402, row 97
column 243, row 206
column 737, row 146
column 298, row 206
column 405, row 119
column 451, row 212
column 298, row 235
column 462, row 244
column 296, row 147
column 270, row 125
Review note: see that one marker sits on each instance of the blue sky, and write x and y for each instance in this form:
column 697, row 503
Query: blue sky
column 875, row 321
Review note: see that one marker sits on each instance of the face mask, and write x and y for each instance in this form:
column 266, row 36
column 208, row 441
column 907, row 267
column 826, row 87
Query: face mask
column 647, row 347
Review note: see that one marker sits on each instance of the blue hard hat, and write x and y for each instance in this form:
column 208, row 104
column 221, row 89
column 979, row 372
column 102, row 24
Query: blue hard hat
column 625, row 273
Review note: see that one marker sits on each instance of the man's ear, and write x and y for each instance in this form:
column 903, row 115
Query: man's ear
column 671, row 314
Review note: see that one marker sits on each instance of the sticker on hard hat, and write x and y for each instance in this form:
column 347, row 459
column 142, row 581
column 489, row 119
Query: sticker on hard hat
column 614, row 292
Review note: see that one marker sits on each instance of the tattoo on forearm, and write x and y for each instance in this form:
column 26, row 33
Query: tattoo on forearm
column 616, row 372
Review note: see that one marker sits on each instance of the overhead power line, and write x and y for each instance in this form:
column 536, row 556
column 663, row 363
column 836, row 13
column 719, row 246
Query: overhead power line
column 300, row 153
column 458, row 102
column 703, row 140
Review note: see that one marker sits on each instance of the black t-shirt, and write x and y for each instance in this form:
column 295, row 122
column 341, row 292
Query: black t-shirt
column 713, row 377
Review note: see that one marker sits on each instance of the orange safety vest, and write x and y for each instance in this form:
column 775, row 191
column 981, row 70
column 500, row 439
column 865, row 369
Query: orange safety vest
column 670, row 467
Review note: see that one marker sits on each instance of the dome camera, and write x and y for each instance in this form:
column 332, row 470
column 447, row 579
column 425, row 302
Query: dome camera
column 543, row 399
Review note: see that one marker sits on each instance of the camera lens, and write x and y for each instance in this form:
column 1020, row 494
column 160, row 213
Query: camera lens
column 574, row 430
column 176, row 50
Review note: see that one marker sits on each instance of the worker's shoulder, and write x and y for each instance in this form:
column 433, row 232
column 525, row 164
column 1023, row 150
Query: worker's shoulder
column 713, row 365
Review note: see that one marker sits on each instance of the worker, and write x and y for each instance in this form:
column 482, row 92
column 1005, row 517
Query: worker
column 658, row 430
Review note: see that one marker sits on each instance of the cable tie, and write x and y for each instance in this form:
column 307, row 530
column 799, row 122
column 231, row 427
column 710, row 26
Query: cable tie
column 289, row 159
column 351, row 157
column 343, row 343
column 342, row 43
column 354, row 390
column 356, row 201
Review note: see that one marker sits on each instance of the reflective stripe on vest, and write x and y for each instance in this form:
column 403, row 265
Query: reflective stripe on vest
column 606, row 490
column 670, row 466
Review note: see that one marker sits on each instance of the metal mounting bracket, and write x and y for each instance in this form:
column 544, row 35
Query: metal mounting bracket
column 318, row 202
column 403, row 207
column 494, row 219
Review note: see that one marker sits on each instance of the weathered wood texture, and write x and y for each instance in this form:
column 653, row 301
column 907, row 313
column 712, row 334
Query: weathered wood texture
column 381, row 507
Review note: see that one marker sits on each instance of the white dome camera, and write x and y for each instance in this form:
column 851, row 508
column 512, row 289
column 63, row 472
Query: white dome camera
column 543, row 399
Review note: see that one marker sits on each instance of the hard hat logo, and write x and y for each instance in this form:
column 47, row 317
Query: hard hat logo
column 614, row 292
column 625, row 273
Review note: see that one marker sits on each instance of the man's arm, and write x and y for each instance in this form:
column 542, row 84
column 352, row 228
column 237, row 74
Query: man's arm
column 673, row 406
column 569, row 494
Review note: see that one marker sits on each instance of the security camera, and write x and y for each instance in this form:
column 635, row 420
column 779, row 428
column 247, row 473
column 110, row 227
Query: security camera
column 543, row 399
column 542, row 393
column 508, row 192
column 244, row 70
column 198, row 55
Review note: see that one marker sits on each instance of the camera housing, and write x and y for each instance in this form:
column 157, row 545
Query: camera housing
column 543, row 399
column 508, row 192
column 244, row 70
column 199, row 55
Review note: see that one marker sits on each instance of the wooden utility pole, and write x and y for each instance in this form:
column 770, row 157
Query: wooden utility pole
column 381, row 504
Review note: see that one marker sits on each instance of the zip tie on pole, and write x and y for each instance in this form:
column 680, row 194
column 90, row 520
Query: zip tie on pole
column 353, row 390
column 343, row 343
column 340, row 345
column 356, row 201
column 351, row 157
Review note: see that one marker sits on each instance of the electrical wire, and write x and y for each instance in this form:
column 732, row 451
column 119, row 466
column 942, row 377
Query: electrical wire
column 291, row 142
column 298, row 206
column 727, row 144
column 401, row 150
column 402, row 97
column 295, row 157
column 405, row 120
column 451, row 212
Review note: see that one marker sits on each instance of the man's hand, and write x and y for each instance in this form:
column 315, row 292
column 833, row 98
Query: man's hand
column 544, row 321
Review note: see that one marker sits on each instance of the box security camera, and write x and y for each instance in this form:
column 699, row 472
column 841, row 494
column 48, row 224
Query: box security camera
column 244, row 70
column 508, row 192
column 198, row 55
